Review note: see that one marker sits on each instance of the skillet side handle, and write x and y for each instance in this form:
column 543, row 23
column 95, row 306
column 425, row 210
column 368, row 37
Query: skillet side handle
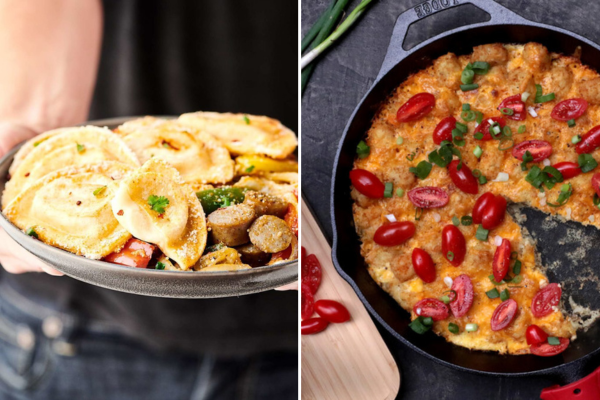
column 586, row 388
column 396, row 52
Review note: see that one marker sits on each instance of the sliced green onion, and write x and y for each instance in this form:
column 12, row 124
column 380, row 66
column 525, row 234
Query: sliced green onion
column 522, row 129
column 517, row 267
column 576, row 139
column 507, row 111
column 506, row 144
column 466, row 107
column 418, row 326
column 427, row 321
column 504, row 295
column 527, row 157
column 411, row 156
column 399, row 140
column 467, row 88
column 467, row 220
column 493, row 294
column 571, row 123
column 596, row 200
column 542, row 99
column 422, row 169
column 445, row 299
column 517, row 279
column 565, row 193
column 246, row 120
column 471, row 327
column 467, row 116
column 481, row 67
column 554, row 341
column 507, row 132
column 586, row 162
column 399, row 192
column 31, row 232
column 482, row 233
column 453, row 328
column 491, row 278
column 455, row 221
column 362, row 150
column 479, row 118
column 160, row 265
column 462, row 127
column 496, row 129
column 99, row 191
column 477, row 152
column 80, row 148
column 389, row 188
column 478, row 136
column 467, row 76
column 524, row 97
column 450, row 256
column 418, row 214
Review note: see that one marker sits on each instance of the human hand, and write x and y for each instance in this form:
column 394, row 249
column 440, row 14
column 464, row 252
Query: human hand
column 290, row 286
column 14, row 258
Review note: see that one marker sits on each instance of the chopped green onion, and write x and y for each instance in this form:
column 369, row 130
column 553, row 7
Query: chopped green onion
column 517, row 279
column 482, row 180
column 514, row 255
column 441, row 157
column 462, row 127
column 477, row 151
column 507, row 111
column 467, row 88
column 399, row 192
column 493, row 294
column 418, row 213
column 467, row 116
column 542, row 99
column 467, row 76
column 517, row 267
column 481, row 67
column 491, row 278
column 399, row 140
column 596, row 200
column 527, row 157
column 507, row 132
column 249, row 169
column 445, row 299
column 246, row 120
column 411, row 156
column 556, row 175
column 466, row 107
column 160, row 265
column 524, row 97
column 80, row 148
column 99, row 191
column 576, row 139
column 571, row 123
column 467, row 220
column 471, row 327
column 418, row 326
column 427, row 321
column 478, row 136
column 586, row 162
column 422, row 169
column 506, row 144
column 453, row 328
column 455, row 221
column 554, row 341
column 479, row 118
column 31, row 232
column 450, row 256
column 522, row 129
column 565, row 193
column 495, row 129
column 482, row 233
column 389, row 188
column 362, row 150
column 504, row 295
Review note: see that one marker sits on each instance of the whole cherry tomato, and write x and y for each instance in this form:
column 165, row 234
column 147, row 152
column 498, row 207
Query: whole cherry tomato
column 568, row 169
column 416, row 107
column 423, row 265
column 480, row 206
column 307, row 300
column 484, row 127
column 596, row 183
column 314, row 325
column 535, row 335
column 494, row 213
column 504, row 314
column 545, row 299
column 433, row 308
column 332, row 311
column 548, row 350
column 303, row 252
column 428, row 197
column 443, row 130
column 367, row 183
column 463, row 287
column 501, row 260
column 394, row 233
column 311, row 272
column 454, row 246
column 463, row 178
column 589, row 142
column 517, row 105
column 569, row 109
column 539, row 149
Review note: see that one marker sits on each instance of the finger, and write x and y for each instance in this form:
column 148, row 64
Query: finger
column 15, row 259
column 51, row 271
column 12, row 134
column 291, row 286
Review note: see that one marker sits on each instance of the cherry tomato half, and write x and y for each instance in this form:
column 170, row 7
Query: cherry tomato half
column 332, row 311
column 454, row 246
column 311, row 272
column 464, row 295
column 443, row 130
column 423, row 265
column 484, row 127
column 569, row 109
column 367, row 183
column 494, row 213
column 535, row 335
column 416, row 107
column 463, row 178
column 589, row 142
column 481, row 205
column 433, row 308
column 504, row 314
column 501, row 260
column 539, row 149
column 307, row 300
column 394, row 233
column 568, row 169
column 548, row 350
column 545, row 299
column 517, row 105
column 596, row 183
column 428, row 197
column 314, row 325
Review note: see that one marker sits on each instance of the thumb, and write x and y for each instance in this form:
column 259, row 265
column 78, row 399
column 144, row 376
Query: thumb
column 12, row 134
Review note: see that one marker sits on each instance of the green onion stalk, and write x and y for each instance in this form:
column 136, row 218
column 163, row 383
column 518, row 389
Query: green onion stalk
column 348, row 22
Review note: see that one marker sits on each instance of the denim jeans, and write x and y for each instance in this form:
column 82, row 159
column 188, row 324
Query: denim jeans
column 50, row 355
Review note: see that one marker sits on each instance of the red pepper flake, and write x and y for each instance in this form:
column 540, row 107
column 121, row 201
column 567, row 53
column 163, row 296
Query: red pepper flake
column 161, row 216
column 120, row 212
column 27, row 174
column 78, row 202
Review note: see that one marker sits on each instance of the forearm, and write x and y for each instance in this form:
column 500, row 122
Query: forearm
column 49, row 53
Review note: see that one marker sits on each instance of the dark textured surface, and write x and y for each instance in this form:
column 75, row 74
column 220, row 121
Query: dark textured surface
column 340, row 80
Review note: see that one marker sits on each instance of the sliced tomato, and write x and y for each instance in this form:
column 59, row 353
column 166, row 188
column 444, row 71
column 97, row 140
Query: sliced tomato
column 394, row 233
column 463, row 178
column 504, row 314
column 517, row 105
column 535, row 335
column 428, row 197
column 135, row 253
column 367, row 183
column 494, row 213
column 423, row 265
column 291, row 217
column 443, row 130
column 433, row 308
column 589, row 142
column 567, row 169
column 307, row 302
column 569, row 109
column 416, row 107
column 332, row 311
column 548, row 350
column 545, row 299
column 464, row 295
column 454, row 246
column 311, row 272
column 539, row 149
column 501, row 260
column 596, row 183
column 311, row 326
column 481, row 205
column 484, row 127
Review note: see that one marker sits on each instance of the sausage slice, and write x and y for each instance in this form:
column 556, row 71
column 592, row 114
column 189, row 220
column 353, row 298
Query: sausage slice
column 270, row 234
column 230, row 225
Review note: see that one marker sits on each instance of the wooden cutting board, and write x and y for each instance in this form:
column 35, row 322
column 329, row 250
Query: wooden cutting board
column 349, row 360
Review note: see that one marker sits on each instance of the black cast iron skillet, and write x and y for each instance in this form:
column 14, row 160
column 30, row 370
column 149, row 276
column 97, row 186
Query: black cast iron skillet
column 506, row 27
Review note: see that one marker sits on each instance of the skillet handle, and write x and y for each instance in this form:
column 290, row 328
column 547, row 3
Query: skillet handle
column 586, row 388
column 396, row 52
